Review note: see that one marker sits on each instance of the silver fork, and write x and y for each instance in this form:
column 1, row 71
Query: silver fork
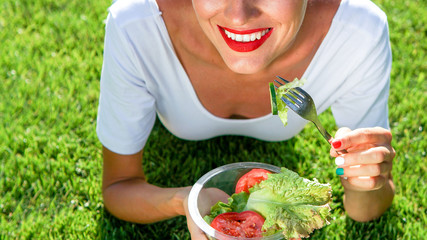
column 302, row 104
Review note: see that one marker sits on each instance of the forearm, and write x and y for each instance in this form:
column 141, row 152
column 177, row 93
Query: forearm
column 363, row 206
column 135, row 200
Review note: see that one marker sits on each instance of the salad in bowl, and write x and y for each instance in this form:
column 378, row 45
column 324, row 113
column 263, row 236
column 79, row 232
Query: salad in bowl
column 250, row 200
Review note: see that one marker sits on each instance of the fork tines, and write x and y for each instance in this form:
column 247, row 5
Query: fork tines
column 298, row 90
column 295, row 96
column 280, row 84
column 284, row 80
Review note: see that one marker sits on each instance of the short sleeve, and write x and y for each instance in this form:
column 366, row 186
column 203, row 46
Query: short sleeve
column 366, row 104
column 126, row 111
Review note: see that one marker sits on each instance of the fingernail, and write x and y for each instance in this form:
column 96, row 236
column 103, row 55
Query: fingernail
column 364, row 177
column 336, row 144
column 340, row 171
column 339, row 161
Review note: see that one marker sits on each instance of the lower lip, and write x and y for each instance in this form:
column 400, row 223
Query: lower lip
column 244, row 46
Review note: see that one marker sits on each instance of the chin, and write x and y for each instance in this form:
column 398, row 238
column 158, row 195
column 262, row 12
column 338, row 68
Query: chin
column 245, row 67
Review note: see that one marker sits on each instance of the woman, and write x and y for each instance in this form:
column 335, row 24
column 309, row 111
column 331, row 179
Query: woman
column 214, row 59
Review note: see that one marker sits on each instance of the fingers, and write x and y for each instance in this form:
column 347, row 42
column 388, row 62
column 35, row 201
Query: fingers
column 195, row 231
column 370, row 156
column 336, row 143
column 342, row 131
column 368, row 162
column 207, row 198
column 371, row 170
column 363, row 183
column 346, row 139
column 365, row 170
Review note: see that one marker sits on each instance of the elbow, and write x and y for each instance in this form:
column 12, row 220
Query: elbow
column 370, row 210
column 109, row 203
column 364, row 216
column 369, row 213
column 113, row 204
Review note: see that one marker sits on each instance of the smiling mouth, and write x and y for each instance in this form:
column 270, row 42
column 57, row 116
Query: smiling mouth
column 245, row 41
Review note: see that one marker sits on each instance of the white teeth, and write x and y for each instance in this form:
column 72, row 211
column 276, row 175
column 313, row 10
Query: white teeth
column 253, row 37
column 246, row 37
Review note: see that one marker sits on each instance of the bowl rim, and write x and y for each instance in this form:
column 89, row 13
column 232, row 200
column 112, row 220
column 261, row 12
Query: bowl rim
column 198, row 186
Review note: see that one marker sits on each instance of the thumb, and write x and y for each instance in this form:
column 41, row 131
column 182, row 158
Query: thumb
column 341, row 132
column 195, row 232
column 336, row 143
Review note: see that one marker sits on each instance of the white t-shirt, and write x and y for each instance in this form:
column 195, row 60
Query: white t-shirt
column 142, row 77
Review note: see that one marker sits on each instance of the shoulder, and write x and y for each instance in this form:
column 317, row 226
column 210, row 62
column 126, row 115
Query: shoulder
column 146, row 8
column 125, row 11
column 362, row 15
column 172, row 11
column 366, row 7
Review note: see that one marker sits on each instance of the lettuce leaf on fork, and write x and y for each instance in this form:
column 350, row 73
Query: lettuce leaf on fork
column 281, row 91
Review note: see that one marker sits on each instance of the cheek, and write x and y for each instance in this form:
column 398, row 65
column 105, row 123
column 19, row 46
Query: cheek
column 287, row 11
column 205, row 9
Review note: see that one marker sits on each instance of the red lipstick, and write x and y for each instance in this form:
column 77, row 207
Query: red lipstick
column 239, row 46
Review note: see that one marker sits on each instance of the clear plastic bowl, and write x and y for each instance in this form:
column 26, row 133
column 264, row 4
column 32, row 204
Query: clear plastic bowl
column 225, row 179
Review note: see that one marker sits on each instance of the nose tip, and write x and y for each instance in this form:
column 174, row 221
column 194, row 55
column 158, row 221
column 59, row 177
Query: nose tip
column 240, row 12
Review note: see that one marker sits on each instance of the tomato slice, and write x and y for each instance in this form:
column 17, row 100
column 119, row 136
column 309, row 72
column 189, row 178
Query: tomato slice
column 246, row 224
column 250, row 179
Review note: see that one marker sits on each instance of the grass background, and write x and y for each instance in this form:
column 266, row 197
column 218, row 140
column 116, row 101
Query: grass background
column 50, row 158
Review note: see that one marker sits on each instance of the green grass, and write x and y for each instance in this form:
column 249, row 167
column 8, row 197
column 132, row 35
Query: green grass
column 50, row 158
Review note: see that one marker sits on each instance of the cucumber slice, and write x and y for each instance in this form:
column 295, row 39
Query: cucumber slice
column 273, row 99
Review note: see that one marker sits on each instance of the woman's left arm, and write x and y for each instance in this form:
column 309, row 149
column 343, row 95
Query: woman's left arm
column 365, row 171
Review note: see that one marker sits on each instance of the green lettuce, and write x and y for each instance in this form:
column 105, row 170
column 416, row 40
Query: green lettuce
column 280, row 92
column 291, row 203
column 236, row 203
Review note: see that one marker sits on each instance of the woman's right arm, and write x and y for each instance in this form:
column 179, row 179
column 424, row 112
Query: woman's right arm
column 128, row 196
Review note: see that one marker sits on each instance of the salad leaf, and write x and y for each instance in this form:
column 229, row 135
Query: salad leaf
column 280, row 92
column 236, row 203
column 291, row 203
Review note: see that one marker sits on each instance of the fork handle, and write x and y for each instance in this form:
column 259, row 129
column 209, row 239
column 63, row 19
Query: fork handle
column 339, row 152
column 327, row 136
column 342, row 151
